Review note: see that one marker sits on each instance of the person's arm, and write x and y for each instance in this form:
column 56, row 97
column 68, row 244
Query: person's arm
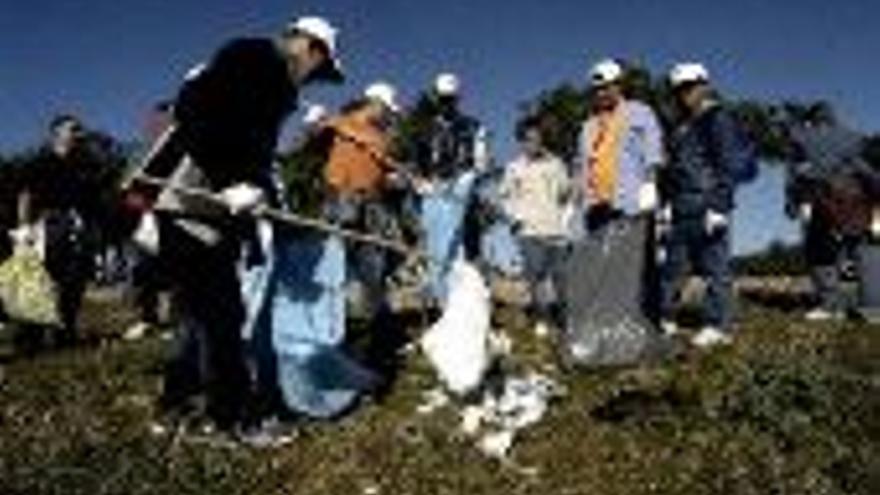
column 506, row 185
column 723, row 141
column 24, row 207
column 655, row 157
column 563, row 182
column 581, row 168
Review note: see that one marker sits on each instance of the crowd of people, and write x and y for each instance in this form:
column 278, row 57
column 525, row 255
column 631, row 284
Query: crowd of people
column 606, row 241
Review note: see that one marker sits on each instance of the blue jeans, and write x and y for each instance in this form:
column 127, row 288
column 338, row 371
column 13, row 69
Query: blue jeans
column 687, row 243
column 543, row 270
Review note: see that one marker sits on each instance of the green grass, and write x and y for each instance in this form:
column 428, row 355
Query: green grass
column 790, row 409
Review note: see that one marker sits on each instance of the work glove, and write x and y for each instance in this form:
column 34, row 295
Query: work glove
column 146, row 235
column 424, row 187
column 716, row 222
column 243, row 198
column 516, row 227
column 648, row 197
column 664, row 220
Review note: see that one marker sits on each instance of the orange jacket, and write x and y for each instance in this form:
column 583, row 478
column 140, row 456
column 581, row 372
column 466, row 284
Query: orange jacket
column 358, row 156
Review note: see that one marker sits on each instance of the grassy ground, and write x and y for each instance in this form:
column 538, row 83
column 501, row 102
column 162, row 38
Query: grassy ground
column 790, row 409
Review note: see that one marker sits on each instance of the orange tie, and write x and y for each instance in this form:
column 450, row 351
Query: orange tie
column 603, row 163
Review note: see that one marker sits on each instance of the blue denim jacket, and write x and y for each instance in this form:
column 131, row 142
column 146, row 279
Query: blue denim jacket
column 700, row 174
column 641, row 149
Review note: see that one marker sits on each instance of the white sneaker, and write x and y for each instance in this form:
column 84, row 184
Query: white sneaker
column 137, row 331
column 821, row 314
column 711, row 337
column 669, row 328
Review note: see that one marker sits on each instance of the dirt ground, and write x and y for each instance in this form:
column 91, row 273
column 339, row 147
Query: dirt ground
column 792, row 408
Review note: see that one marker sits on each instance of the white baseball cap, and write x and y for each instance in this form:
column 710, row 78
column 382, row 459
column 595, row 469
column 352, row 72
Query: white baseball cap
column 383, row 93
column 606, row 72
column 321, row 30
column 447, row 84
column 688, row 73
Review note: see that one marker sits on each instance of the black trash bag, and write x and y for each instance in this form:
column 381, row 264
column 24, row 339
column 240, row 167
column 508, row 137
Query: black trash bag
column 606, row 298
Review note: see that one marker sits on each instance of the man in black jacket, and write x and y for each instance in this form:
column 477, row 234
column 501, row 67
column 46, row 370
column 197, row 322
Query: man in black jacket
column 59, row 189
column 229, row 114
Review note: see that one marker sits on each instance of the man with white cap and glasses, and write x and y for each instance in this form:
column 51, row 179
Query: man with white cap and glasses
column 228, row 117
column 710, row 155
column 621, row 149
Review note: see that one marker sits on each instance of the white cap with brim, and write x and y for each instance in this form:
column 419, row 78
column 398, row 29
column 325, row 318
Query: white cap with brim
column 447, row 84
column 321, row 30
column 605, row 72
column 688, row 73
column 383, row 93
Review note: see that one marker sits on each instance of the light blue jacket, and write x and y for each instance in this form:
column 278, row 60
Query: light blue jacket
column 641, row 150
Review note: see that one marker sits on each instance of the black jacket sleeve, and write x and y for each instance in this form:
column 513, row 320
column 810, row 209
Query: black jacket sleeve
column 230, row 113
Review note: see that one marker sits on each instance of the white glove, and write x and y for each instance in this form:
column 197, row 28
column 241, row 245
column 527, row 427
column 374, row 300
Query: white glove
column 242, row 198
column 665, row 215
column 648, row 197
column 30, row 236
column 146, row 236
column 806, row 212
column 664, row 221
column 716, row 222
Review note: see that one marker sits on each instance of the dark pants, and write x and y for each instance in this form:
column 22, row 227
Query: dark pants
column 827, row 253
column 543, row 263
column 148, row 280
column 209, row 347
column 70, row 264
column 688, row 243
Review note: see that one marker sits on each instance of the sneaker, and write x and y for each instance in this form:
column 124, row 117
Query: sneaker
column 669, row 328
column 137, row 331
column 821, row 314
column 711, row 337
column 270, row 434
column 208, row 435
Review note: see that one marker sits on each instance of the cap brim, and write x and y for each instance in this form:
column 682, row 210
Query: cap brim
column 599, row 82
column 683, row 85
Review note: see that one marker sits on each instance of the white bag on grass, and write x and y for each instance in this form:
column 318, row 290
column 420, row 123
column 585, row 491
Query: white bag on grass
column 457, row 345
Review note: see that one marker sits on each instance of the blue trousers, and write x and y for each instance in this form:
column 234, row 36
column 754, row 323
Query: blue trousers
column 688, row 244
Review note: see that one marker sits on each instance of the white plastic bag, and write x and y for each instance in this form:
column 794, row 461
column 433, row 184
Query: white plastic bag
column 146, row 235
column 458, row 344
column 27, row 291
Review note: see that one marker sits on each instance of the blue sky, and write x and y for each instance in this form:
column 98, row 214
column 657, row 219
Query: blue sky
column 110, row 60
